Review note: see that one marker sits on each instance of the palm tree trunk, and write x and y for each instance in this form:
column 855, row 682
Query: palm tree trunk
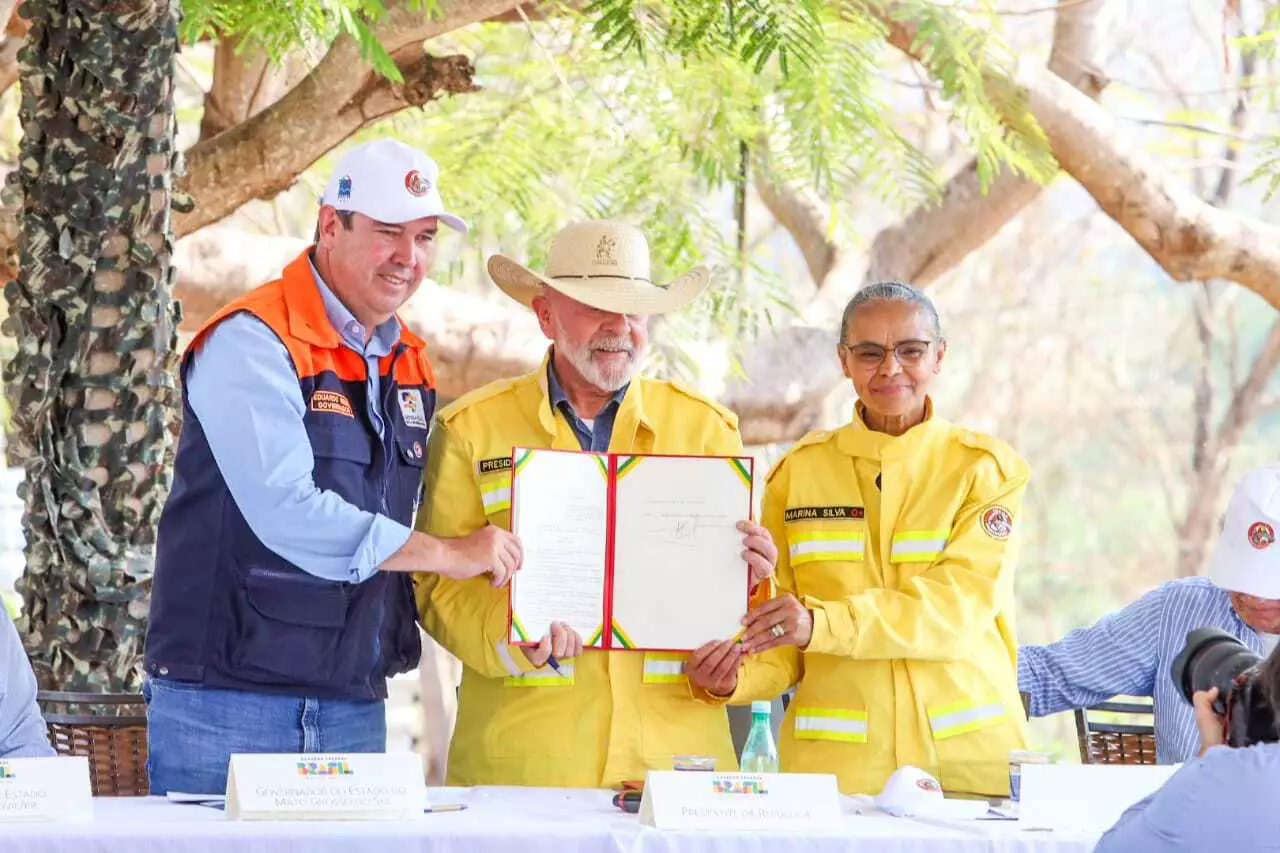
column 92, row 383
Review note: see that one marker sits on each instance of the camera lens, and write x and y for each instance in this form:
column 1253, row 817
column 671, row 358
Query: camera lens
column 1211, row 658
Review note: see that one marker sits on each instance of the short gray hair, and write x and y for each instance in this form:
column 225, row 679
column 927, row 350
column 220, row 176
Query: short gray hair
column 891, row 291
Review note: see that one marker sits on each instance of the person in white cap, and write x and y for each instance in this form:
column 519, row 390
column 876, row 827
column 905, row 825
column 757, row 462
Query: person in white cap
column 282, row 598
column 598, row 718
column 1129, row 652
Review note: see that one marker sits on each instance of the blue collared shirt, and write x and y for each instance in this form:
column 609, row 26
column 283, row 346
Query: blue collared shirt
column 242, row 386
column 1129, row 652
column 595, row 438
column 1224, row 801
column 22, row 729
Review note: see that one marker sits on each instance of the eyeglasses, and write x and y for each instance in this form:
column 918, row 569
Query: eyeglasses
column 908, row 353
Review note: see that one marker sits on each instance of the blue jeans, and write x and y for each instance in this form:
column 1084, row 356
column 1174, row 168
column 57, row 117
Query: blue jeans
column 192, row 730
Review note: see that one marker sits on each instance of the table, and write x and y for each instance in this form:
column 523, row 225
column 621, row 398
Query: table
column 500, row 820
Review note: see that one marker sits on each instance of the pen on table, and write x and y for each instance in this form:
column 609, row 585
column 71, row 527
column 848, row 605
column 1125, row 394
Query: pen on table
column 445, row 807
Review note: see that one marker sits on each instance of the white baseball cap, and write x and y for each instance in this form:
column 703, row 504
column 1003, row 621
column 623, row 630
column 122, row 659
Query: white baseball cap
column 1247, row 558
column 910, row 792
column 388, row 181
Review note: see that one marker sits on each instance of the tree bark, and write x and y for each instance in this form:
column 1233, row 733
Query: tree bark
column 342, row 94
column 245, row 82
column 96, row 330
column 1187, row 236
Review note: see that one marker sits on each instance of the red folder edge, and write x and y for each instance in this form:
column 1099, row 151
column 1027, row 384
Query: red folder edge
column 610, row 545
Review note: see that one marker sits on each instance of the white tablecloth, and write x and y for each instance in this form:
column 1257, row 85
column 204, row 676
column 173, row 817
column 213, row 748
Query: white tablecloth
column 500, row 820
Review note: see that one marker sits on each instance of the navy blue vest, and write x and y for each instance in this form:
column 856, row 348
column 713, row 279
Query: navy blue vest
column 226, row 611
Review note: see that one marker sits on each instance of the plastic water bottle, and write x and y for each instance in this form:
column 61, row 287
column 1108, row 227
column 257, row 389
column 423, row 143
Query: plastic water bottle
column 759, row 753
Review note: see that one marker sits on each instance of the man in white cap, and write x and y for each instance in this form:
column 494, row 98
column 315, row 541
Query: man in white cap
column 596, row 718
column 282, row 599
column 1130, row 652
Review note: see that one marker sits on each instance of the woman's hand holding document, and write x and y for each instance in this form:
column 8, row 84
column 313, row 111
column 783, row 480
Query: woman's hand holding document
column 634, row 552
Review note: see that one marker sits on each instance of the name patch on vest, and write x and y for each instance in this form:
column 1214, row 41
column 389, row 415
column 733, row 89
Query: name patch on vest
column 488, row 466
column 808, row 513
column 331, row 401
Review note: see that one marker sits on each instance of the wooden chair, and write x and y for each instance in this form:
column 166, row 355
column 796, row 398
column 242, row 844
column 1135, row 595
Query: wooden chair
column 1107, row 741
column 110, row 729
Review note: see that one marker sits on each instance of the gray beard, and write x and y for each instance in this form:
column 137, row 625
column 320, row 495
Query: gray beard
column 606, row 379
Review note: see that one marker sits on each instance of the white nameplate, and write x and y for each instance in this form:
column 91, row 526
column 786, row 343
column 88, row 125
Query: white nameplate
column 326, row 786
column 55, row 789
column 1085, row 797
column 674, row 799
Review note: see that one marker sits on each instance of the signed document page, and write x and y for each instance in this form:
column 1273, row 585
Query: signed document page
column 679, row 579
column 559, row 510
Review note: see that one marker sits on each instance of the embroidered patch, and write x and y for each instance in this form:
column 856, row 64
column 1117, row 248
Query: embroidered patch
column 811, row 513
column 344, row 188
column 412, row 409
column 929, row 785
column 417, row 185
column 499, row 463
column 997, row 522
column 417, row 450
column 1261, row 535
column 331, row 401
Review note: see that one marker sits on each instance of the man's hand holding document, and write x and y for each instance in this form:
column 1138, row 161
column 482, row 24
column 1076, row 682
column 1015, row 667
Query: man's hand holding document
column 634, row 551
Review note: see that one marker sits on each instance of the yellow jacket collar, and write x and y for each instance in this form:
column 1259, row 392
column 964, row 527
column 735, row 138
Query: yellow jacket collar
column 631, row 414
column 857, row 439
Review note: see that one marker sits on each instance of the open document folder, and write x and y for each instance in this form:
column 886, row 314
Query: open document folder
column 633, row 552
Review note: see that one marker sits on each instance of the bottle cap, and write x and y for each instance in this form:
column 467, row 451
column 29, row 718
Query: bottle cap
column 761, row 707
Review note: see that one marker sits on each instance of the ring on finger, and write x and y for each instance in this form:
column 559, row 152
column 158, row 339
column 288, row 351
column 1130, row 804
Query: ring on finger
column 777, row 630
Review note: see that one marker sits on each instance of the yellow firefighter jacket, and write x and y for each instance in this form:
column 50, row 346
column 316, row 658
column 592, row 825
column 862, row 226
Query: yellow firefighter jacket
column 618, row 713
column 901, row 547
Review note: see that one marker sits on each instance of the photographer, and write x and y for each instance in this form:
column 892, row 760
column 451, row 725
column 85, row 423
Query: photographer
column 1129, row 652
column 1224, row 798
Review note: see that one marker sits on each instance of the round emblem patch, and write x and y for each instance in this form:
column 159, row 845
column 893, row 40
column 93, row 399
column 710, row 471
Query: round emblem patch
column 1261, row 535
column 417, row 450
column 416, row 184
column 929, row 785
column 997, row 522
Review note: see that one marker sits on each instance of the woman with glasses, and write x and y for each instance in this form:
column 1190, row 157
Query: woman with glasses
column 895, row 605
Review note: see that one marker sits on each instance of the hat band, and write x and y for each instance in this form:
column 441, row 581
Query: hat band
column 618, row 275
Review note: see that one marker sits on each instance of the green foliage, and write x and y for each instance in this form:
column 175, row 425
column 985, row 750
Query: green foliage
column 644, row 110
column 1266, row 44
column 824, row 58
column 280, row 27
column 1268, row 171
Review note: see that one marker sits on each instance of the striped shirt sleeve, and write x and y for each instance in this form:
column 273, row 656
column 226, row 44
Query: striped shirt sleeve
column 1118, row 654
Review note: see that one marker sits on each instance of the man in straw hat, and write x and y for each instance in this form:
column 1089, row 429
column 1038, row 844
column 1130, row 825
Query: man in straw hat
column 602, row 717
column 282, row 598
column 1130, row 651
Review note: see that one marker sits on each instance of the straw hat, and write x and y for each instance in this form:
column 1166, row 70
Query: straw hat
column 603, row 264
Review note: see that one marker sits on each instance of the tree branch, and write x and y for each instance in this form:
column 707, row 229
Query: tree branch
column 1188, row 237
column 244, row 83
column 807, row 219
column 1247, row 397
column 264, row 155
column 933, row 239
column 9, row 61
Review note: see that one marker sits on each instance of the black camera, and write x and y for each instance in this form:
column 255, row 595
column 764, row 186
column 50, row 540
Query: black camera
column 1214, row 658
